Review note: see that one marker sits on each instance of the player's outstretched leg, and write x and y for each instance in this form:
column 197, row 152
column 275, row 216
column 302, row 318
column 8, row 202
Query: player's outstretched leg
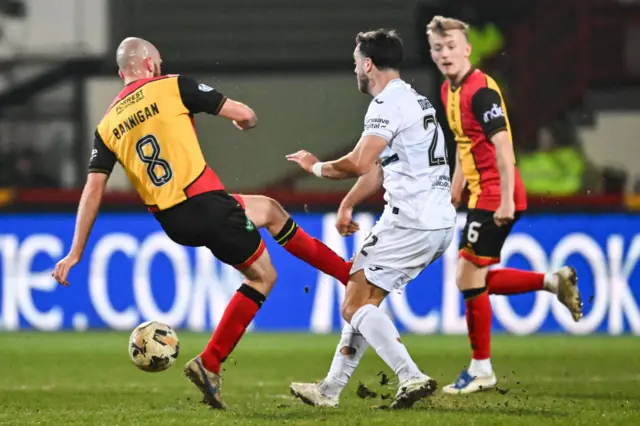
column 563, row 283
column 348, row 354
column 266, row 212
column 361, row 310
column 204, row 370
column 479, row 376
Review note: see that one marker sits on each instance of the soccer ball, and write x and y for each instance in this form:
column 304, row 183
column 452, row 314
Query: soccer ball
column 153, row 346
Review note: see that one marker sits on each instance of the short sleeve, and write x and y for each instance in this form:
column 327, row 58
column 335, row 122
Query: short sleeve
column 486, row 105
column 199, row 97
column 102, row 158
column 383, row 119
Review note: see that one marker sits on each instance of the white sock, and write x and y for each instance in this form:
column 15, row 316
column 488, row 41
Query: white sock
column 344, row 364
column 480, row 367
column 551, row 282
column 383, row 336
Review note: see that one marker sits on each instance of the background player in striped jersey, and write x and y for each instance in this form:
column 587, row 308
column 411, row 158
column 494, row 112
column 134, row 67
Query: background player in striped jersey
column 477, row 115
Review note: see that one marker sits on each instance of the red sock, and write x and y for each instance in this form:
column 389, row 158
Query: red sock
column 236, row 318
column 479, row 321
column 514, row 281
column 313, row 251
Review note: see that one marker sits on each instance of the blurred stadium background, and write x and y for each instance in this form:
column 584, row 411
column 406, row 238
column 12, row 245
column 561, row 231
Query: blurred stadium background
column 570, row 71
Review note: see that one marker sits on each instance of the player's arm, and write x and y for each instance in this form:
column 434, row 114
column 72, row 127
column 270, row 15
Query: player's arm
column 381, row 125
column 359, row 162
column 100, row 167
column 356, row 163
column 506, row 166
column 87, row 212
column 198, row 97
column 486, row 105
column 457, row 184
column 365, row 186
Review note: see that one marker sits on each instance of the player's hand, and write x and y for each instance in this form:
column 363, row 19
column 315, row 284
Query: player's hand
column 243, row 125
column 305, row 160
column 505, row 213
column 344, row 222
column 62, row 269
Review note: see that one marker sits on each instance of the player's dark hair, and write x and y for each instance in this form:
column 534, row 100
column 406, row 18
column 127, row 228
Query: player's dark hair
column 383, row 47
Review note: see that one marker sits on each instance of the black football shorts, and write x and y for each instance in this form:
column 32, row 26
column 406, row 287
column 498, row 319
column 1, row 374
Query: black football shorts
column 482, row 240
column 217, row 221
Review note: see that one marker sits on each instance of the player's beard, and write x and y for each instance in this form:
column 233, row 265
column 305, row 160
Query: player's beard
column 363, row 83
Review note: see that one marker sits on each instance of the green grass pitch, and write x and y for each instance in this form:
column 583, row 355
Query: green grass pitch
column 87, row 379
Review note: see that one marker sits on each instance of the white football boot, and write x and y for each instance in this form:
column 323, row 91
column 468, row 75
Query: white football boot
column 466, row 383
column 413, row 390
column 310, row 393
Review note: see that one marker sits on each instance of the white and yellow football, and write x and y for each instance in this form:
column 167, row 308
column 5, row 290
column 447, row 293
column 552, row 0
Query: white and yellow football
column 153, row 346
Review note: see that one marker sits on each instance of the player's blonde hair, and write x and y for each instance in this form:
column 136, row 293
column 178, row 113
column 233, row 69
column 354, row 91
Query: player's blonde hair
column 440, row 25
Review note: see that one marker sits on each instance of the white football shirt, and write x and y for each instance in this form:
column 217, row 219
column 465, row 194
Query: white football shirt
column 414, row 163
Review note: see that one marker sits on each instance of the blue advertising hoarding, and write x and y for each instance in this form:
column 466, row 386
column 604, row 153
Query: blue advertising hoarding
column 132, row 272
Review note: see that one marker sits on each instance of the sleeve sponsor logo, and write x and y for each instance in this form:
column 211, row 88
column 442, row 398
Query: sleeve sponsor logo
column 495, row 112
column 375, row 123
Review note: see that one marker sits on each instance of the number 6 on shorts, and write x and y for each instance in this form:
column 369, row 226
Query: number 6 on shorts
column 472, row 232
column 482, row 240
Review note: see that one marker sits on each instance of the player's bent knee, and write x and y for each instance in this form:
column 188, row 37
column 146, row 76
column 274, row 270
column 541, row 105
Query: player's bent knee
column 277, row 215
column 360, row 292
column 264, row 282
column 265, row 212
column 261, row 275
column 469, row 275
column 347, row 311
column 274, row 205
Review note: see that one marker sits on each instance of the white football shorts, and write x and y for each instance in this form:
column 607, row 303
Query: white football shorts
column 392, row 256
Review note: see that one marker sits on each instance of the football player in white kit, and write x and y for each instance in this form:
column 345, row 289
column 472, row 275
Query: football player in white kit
column 402, row 148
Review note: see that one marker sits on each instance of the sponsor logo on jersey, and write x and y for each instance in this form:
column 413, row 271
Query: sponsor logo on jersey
column 424, row 104
column 378, row 101
column 440, row 182
column 204, row 88
column 132, row 99
column 493, row 113
column 376, row 123
column 94, row 154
